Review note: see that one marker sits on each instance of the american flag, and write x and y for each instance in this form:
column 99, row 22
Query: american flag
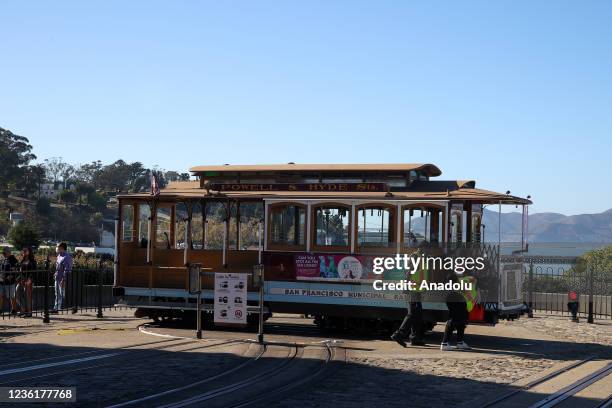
column 154, row 185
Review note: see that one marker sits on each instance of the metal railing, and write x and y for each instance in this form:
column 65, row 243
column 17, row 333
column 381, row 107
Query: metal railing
column 32, row 293
column 548, row 281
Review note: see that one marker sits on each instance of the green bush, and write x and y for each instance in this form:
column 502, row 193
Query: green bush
column 67, row 196
column 23, row 235
column 96, row 202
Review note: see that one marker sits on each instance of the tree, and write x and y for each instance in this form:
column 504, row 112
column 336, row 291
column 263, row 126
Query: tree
column 67, row 196
column 67, row 174
column 56, row 168
column 172, row 175
column 84, row 189
column 119, row 176
column 88, row 173
column 176, row 176
column 43, row 207
column 599, row 260
column 15, row 154
column 96, row 201
column 23, row 235
column 33, row 177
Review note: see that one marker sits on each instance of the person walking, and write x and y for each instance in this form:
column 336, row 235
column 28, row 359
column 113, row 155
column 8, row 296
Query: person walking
column 7, row 276
column 457, row 321
column 412, row 325
column 24, row 285
column 63, row 267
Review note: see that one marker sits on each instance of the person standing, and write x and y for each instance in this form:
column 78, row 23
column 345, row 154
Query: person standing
column 24, row 286
column 7, row 276
column 63, row 267
column 457, row 320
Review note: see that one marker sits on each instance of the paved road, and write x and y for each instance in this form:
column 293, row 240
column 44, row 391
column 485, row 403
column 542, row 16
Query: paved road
column 111, row 361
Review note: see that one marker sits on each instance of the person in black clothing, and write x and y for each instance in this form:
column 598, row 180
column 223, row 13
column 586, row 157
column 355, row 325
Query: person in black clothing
column 412, row 326
column 7, row 276
column 24, row 282
column 457, row 320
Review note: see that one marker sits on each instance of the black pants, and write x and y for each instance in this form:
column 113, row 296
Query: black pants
column 457, row 320
column 413, row 322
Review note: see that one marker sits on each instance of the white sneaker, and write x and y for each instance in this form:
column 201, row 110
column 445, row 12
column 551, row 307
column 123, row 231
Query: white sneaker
column 445, row 347
column 462, row 345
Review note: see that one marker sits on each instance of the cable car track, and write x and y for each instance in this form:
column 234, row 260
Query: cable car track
column 279, row 391
column 230, row 388
column 125, row 353
column 268, row 377
column 191, row 385
column 558, row 397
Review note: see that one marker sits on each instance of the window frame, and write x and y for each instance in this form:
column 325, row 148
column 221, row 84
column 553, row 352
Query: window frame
column 392, row 248
column 313, row 228
column 239, row 223
column 156, row 230
column 284, row 247
column 459, row 227
column 134, row 223
column 138, row 205
column 417, row 206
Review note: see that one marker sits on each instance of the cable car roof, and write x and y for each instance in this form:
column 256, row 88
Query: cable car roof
column 427, row 168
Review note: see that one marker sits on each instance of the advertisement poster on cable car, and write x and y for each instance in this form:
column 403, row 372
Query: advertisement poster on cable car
column 340, row 268
column 230, row 298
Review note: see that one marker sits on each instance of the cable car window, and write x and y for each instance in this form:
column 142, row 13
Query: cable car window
column 456, row 226
column 197, row 226
column 332, row 226
column 250, row 216
column 144, row 213
column 375, row 227
column 163, row 218
column 216, row 213
column 288, row 225
column 127, row 223
column 180, row 225
column 476, row 226
column 417, row 223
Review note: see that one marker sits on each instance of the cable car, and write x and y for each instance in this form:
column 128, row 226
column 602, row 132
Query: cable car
column 316, row 228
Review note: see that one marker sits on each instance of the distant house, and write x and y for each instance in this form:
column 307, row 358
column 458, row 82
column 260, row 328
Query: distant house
column 53, row 190
column 15, row 218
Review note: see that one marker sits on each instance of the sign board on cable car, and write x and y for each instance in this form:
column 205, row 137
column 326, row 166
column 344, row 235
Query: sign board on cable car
column 230, row 298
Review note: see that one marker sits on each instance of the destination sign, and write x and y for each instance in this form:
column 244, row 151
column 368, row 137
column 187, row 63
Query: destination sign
column 314, row 187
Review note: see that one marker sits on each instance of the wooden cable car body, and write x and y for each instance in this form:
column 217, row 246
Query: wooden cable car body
column 315, row 228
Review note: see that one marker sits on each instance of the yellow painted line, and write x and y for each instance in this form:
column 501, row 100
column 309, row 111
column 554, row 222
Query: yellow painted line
column 63, row 332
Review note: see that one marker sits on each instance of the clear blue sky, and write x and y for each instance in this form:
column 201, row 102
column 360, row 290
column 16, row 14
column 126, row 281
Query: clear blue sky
column 515, row 94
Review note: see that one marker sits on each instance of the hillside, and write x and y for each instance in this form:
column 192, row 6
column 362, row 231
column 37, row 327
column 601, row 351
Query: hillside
column 546, row 227
column 552, row 227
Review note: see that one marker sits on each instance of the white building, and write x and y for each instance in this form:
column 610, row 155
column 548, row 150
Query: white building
column 53, row 190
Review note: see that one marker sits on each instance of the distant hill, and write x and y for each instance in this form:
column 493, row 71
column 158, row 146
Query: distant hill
column 551, row 227
column 545, row 227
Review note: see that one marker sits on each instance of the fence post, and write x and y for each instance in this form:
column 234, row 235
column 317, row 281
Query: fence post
column 590, row 277
column 46, row 293
column 530, row 290
column 100, row 315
